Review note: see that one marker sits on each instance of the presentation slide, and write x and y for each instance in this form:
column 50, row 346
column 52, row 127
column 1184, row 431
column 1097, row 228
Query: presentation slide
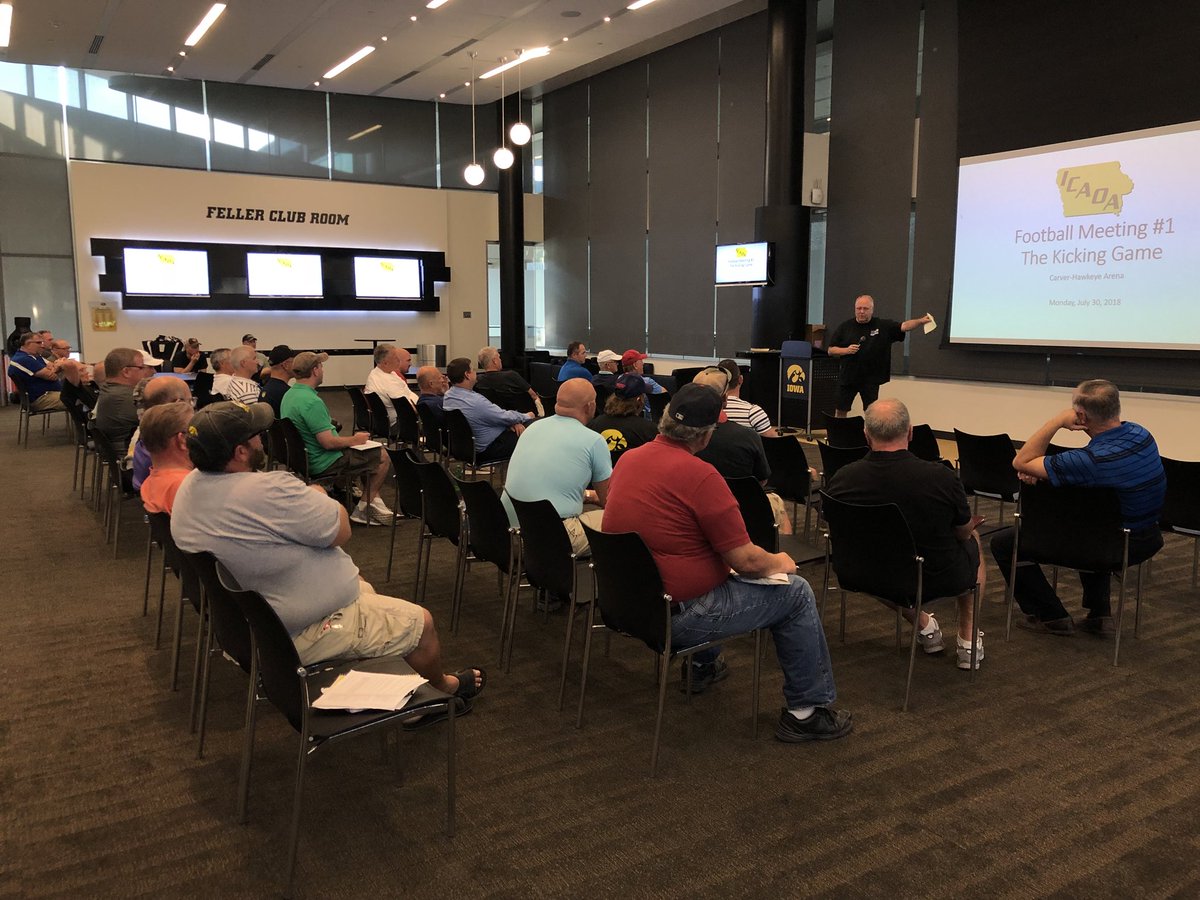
column 742, row 263
column 166, row 273
column 284, row 274
column 1089, row 244
column 387, row 277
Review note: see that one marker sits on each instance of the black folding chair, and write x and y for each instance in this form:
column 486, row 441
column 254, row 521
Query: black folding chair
column 1075, row 528
column 381, row 425
column 1181, row 507
column 362, row 412
column 408, row 502
column 297, row 461
column 489, row 537
column 117, row 482
column 433, row 430
column 985, row 468
column 292, row 688
column 658, row 405
column 924, row 444
column 408, row 426
column 845, row 432
column 630, row 596
column 833, row 458
column 441, row 517
column 25, row 417
column 871, row 550
column 462, row 445
column 790, row 477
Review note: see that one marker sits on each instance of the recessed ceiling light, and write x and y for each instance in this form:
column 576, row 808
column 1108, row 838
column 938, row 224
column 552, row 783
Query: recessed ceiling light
column 170, row 68
column 6, row 11
column 434, row 4
column 316, row 84
column 638, row 4
column 383, row 37
column 183, row 53
column 349, row 61
column 442, row 96
column 412, row 18
column 608, row 18
column 211, row 16
column 565, row 39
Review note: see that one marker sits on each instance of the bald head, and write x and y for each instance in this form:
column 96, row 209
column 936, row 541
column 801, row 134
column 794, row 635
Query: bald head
column 165, row 390
column 430, row 380
column 887, row 424
column 864, row 308
column 576, row 399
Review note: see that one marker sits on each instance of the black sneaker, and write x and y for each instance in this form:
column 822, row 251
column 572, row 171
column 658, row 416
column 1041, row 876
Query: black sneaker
column 703, row 674
column 1064, row 627
column 1102, row 626
column 823, row 725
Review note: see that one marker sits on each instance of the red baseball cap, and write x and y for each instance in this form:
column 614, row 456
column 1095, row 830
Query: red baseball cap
column 629, row 357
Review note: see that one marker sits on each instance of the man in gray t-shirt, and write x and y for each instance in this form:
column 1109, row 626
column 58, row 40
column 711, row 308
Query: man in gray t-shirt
column 283, row 539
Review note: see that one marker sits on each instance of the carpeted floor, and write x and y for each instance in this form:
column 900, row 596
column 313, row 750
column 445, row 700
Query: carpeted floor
column 1052, row 774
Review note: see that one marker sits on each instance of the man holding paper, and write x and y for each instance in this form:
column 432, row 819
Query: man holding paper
column 864, row 345
column 684, row 511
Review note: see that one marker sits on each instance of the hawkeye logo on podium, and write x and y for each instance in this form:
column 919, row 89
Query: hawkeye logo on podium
column 1093, row 190
column 796, row 378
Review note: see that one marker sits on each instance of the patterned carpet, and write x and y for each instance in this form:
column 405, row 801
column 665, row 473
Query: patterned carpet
column 1053, row 774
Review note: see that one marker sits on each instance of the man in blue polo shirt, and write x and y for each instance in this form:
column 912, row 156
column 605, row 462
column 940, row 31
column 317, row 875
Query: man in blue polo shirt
column 38, row 379
column 577, row 352
column 1120, row 455
column 495, row 430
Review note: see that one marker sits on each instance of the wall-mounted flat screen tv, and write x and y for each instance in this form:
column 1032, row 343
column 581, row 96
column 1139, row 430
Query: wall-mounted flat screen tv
column 166, row 272
column 744, row 264
column 284, row 274
column 387, row 277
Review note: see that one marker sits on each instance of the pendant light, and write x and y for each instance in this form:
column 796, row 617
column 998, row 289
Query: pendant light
column 473, row 174
column 519, row 134
column 503, row 157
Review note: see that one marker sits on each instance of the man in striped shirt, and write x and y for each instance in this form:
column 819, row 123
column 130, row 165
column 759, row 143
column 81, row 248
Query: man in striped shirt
column 1120, row 455
column 743, row 412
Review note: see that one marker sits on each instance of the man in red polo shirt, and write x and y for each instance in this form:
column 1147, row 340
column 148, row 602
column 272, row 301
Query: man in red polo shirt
column 684, row 511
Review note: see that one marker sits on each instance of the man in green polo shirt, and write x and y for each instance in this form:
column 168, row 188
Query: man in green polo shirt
column 328, row 452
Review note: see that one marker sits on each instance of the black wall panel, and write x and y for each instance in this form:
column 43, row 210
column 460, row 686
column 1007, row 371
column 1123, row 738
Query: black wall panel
column 566, row 213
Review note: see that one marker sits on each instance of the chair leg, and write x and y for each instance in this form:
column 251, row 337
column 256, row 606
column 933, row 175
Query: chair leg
column 294, row 838
column 664, row 660
column 451, row 769
column 754, row 679
column 1137, row 608
column 975, row 630
column 248, row 737
column 460, row 567
column 566, row 654
column 200, row 661
column 205, row 676
column 912, row 653
column 162, row 593
column 176, row 640
column 1120, row 618
column 587, row 655
column 146, row 592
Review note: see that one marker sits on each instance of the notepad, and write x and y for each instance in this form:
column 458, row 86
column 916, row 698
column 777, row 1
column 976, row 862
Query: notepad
column 369, row 690
column 366, row 445
column 777, row 578
column 931, row 325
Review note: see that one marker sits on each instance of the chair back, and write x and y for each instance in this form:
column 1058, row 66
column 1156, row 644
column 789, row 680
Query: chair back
column 229, row 625
column 833, row 458
column 756, row 512
column 408, row 426
column 1073, row 527
column 460, row 436
column 377, row 415
column 603, row 392
column 431, row 428
column 543, row 376
column 686, row 376
column 924, row 444
column 985, row 464
column 872, row 549
column 546, row 546
column 658, row 405
column 1181, row 506
column 489, row 532
column 160, row 533
column 408, row 480
column 629, row 589
column 277, row 454
column 110, row 451
column 439, row 501
column 790, row 477
column 202, row 389
column 845, row 432
column 362, row 412
column 278, row 661
column 297, row 456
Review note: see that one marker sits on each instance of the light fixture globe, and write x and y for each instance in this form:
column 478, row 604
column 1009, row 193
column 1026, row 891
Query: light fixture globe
column 503, row 158
column 520, row 134
column 473, row 174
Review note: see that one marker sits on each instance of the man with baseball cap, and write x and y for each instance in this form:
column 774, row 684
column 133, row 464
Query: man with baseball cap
column 283, row 539
column 279, row 374
column 684, row 511
column 634, row 361
column 329, row 452
column 609, row 364
column 622, row 424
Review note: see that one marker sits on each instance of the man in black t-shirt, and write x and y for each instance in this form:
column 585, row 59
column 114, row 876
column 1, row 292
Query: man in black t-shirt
column 864, row 345
column 507, row 388
column 622, row 424
column 935, row 507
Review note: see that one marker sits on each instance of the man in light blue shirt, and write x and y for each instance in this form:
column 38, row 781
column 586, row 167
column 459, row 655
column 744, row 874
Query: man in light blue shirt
column 558, row 459
column 577, row 352
column 495, row 430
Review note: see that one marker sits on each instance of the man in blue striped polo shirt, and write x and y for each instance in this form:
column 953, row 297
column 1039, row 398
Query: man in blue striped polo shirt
column 1121, row 455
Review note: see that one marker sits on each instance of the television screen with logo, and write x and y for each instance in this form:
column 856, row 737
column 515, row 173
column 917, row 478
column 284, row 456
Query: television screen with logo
column 1089, row 244
column 744, row 264
column 387, row 277
column 284, row 274
column 166, row 272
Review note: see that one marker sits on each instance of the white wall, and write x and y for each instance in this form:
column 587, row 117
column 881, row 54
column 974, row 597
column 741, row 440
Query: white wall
column 119, row 201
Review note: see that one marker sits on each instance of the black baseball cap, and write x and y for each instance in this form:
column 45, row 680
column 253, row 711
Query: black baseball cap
column 219, row 427
column 696, row 406
column 279, row 353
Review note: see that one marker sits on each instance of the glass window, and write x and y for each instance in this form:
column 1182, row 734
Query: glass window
column 287, row 130
column 383, row 141
column 128, row 118
column 535, row 295
column 14, row 78
column 228, row 133
column 152, row 113
column 42, row 288
column 191, row 123
column 103, row 99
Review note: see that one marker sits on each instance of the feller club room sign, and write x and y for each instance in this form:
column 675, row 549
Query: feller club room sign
column 289, row 216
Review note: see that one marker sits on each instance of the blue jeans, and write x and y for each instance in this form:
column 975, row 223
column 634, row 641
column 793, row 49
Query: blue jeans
column 790, row 611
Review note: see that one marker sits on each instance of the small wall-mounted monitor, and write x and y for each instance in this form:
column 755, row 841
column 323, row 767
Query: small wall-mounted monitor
column 387, row 277
column 744, row 264
column 166, row 272
column 284, row 275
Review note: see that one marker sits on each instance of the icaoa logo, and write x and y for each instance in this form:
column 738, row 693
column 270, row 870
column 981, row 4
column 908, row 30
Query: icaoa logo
column 795, row 378
column 1093, row 190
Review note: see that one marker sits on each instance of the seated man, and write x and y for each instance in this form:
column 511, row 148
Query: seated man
column 249, row 340
column 935, row 507
column 156, row 392
column 1120, row 455
column 574, row 367
column 242, row 387
column 687, row 516
column 388, row 378
column 189, row 358
column 276, row 384
column 737, row 452
column 634, row 361
column 116, row 411
column 509, row 388
column 38, row 379
column 71, row 371
column 164, row 436
column 609, row 363
column 222, row 367
column 433, row 386
column 283, row 539
column 622, row 424
column 740, row 411
column 495, row 430
column 328, row 452
column 558, row 458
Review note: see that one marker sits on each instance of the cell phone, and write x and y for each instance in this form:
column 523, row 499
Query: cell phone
column 976, row 521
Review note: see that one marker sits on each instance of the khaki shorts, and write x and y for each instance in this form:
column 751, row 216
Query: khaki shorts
column 354, row 462
column 48, row 401
column 372, row 626
column 574, row 525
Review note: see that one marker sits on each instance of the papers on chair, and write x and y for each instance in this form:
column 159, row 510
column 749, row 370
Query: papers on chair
column 931, row 325
column 366, row 445
column 369, row 690
column 777, row 578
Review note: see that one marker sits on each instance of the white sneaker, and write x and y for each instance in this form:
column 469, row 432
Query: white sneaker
column 964, row 652
column 364, row 516
column 379, row 506
column 931, row 638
